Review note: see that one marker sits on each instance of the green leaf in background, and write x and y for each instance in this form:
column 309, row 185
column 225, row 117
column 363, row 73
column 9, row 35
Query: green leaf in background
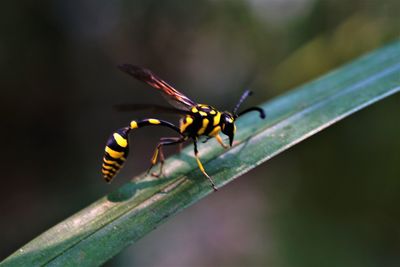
column 100, row 231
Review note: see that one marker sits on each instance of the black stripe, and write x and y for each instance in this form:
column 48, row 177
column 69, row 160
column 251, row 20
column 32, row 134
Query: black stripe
column 146, row 122
column 210, row 125
column 108, row 178
column 111, row 165
column 196, row 125
column 111, row 172
column 119, row 161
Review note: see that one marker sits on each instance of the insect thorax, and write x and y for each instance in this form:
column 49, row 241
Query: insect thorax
column 202, row 120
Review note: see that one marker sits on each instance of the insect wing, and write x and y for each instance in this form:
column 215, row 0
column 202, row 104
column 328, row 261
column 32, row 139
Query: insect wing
column 153, row 108
column 174, row 97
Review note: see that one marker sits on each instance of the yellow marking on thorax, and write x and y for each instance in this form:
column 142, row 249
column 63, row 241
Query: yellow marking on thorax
column 194, row 110
column 121, row 141
column 154, row 121
column 114, row 154
column 215, row 131
column 217, row 119
column 203, row 127
column 212, row 112
column 203, row 114
column 134, row 125
column 186, row 122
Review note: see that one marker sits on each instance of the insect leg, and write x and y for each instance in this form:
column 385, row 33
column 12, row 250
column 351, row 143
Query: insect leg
column 180, row 147
column 196, row 152
column 219, row 139
column 165, row 141
column 207, row 138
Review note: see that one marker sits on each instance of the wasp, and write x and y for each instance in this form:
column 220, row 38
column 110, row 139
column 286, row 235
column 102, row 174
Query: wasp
column 196, row 120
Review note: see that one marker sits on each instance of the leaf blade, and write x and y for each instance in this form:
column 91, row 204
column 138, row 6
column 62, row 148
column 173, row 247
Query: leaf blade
column 100, row 231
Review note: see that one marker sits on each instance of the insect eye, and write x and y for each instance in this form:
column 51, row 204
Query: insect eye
column 227, row 118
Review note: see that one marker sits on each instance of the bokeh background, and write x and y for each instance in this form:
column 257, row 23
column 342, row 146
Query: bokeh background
column 332, row 200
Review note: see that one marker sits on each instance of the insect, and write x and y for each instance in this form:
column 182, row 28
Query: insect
column 196, row 120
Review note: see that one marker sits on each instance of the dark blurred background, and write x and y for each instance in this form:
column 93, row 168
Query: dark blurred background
column 330, row 201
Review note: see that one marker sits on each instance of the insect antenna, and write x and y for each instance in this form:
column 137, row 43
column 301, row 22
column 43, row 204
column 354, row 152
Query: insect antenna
column 245, row 95
column 260, row 110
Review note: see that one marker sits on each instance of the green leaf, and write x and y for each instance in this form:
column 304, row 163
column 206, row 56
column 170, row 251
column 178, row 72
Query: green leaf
column 100, row 231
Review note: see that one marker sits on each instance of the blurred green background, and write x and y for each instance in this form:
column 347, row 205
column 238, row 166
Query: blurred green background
column 330, row 201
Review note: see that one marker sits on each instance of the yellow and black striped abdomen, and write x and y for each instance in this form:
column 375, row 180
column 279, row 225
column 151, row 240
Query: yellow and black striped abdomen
column 202, row 120
column 116, row 152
